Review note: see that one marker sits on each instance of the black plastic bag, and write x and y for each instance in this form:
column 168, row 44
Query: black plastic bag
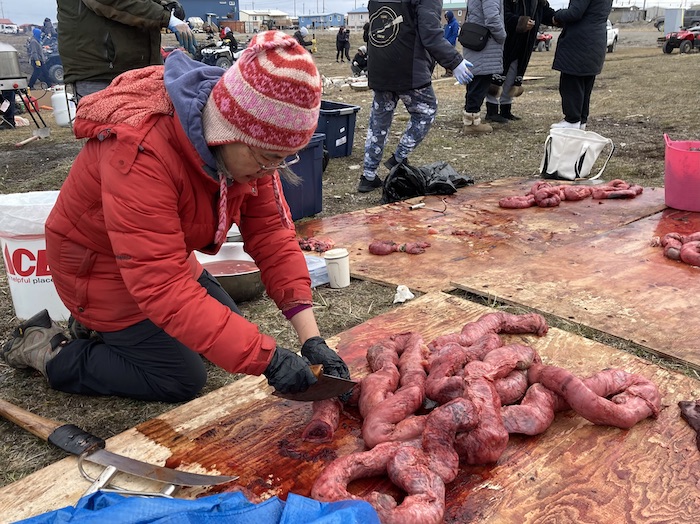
column 405, row 181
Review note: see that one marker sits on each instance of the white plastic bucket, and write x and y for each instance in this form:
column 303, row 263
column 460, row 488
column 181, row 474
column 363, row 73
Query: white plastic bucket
column 338, row 264
column 22, row 219
column 63, row 109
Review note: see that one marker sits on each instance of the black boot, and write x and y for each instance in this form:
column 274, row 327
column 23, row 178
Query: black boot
column 493, row 116
column 505, row 112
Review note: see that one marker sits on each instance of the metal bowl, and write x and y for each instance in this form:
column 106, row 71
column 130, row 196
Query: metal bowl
column 245, row 283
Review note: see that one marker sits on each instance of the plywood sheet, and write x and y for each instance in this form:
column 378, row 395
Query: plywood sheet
column 616, row 283
column 471, row 234
column 574, row 472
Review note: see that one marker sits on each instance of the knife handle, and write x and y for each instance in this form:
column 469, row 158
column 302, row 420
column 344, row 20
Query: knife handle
column 317, row 370
column 66, row 436
column 35, row 424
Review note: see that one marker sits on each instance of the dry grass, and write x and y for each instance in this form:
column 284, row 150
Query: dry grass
column 640, row 95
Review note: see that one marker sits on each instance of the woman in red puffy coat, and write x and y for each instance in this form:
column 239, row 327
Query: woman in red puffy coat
column 175, row 155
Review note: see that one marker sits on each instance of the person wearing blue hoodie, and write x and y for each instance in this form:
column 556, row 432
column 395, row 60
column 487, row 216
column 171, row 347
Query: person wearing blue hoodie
column 451, row 33
column 37, row 59
column 176, row 154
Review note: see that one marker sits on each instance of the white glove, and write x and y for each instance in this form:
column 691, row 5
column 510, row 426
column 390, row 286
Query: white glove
column 462, row 72
column 355, row 64
column 183, row 33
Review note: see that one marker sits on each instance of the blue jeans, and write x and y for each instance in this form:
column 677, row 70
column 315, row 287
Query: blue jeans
column 421, row 104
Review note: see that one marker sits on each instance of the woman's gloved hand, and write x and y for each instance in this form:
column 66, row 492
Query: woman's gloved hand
column 462, row 73
column 317, row 351
column 287, row 372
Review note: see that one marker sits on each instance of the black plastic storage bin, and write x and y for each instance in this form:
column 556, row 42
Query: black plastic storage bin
column 337, row 122
column 306, row 199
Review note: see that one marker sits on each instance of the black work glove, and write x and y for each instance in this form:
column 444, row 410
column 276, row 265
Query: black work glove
column 317, row 352
column 287, row 372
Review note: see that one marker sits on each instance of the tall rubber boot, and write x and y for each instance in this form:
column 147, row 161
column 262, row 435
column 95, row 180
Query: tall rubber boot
column 472, row 124
column 493, row 116
column 506, row 112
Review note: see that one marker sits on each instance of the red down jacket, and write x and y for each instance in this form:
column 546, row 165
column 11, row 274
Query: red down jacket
column 137, row 201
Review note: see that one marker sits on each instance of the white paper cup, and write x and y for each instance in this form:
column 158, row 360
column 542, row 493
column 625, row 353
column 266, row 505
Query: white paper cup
column 338, row 264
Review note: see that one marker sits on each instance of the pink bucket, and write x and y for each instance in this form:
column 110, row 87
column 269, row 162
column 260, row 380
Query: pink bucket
column 682, row 174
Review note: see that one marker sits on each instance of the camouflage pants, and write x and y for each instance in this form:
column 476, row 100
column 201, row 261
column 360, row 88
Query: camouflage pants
column 421, row 105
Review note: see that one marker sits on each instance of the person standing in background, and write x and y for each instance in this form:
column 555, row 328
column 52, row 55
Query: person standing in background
column 48, row 29
column 37, row 59
column 488, row 61
column 101, row 39
column 522, row 20
column 579, row 57
column 340, row 44
column 346, row 44
column 405, row 41
column 451, row 32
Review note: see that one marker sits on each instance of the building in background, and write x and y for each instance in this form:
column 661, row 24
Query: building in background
column 322, row 21
column 224, row 9
column 357, row 18
column 261, row 19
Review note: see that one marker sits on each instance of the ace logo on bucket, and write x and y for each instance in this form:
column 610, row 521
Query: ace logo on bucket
column 25, row 266
column 29, row 278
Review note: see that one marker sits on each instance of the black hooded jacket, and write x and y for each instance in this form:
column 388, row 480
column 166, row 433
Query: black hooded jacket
column 519, row 46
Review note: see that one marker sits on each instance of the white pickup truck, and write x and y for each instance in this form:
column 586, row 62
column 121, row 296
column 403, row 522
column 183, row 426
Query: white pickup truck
column 612, row 37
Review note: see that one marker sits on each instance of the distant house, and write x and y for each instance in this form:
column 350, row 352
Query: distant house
column 257, row 19
column 357, row 18
column 225, row 9
column 322, row 21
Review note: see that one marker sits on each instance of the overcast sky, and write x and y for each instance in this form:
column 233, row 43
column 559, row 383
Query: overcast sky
column 34, row 11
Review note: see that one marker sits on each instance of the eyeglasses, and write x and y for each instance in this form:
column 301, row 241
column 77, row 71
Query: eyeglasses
column 284, row 164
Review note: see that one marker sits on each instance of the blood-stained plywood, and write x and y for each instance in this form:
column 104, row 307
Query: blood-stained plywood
column 469, row 232
column 574, row 472
column 617, row 282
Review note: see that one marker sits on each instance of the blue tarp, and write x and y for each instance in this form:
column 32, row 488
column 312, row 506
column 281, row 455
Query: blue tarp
column 112, row 508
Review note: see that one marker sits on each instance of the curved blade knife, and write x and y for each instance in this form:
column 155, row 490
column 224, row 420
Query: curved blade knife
column 74, row 440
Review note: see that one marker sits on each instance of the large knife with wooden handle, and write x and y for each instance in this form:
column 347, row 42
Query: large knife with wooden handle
column 74, row 440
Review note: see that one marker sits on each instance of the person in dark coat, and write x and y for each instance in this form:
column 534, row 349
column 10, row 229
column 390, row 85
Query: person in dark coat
column 100, row 40
column 359, row 61
column 579, row 56
column 340, row 44
column 522, row 19
column 405, row 41
column 346, row 44
column 300, row 36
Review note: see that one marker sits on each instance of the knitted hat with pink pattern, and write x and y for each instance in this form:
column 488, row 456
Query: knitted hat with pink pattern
column 269, row 98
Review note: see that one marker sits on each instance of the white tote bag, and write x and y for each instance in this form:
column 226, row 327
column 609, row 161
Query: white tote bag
column 570, row 154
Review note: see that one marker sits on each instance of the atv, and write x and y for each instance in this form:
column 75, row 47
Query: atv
column 543, row 42
column 222, row 53
column 685, row 40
